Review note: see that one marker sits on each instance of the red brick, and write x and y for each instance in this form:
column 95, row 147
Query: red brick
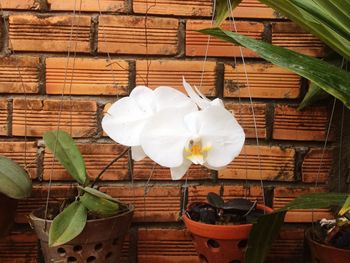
column 77, row 117
column 270, row 163
column 154, row 203
column 307, row 125
column 19, row 75
column 247, row 9
column 196, row 43
column 243, row 113
column 96, row 157
column 88, row 5
column 86, row 76
column 24, row 153
column 155, row 73
column 128, row 35
column 292, row 36
column 317, row 166
column 198, row 193
column 20, row 4
column 264, row 81
column 148, row 169
column 38, row 199
column 158, row 245
column 283, row 195
column 50, row 33
column 19, row 248
column 3, row 117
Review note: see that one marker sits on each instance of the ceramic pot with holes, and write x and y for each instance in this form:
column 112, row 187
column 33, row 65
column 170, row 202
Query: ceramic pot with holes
column 321, row 253
column 8, row 208
column 100, row 241
column 220, row 243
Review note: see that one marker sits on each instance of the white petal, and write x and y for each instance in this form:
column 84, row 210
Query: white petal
column 178, row 172
column 167, row 97
column 164, row 137
column 219, row 129
column 124, row 122
column 137, row 153
column 144, row 98
column 202, row 103
column 213, row 167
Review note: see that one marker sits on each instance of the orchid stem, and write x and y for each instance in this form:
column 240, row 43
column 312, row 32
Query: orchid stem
column 108, row 165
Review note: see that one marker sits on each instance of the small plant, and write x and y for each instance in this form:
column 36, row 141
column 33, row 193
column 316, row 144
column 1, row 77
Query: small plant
column 14, row 181
column 89, row 202
column 219, row 212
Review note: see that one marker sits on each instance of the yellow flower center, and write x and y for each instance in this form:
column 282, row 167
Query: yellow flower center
column 196, row 153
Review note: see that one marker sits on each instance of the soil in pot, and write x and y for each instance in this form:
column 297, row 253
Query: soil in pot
column 321, row 253
column 8, row 208
column 100, row 242
column 222, row 239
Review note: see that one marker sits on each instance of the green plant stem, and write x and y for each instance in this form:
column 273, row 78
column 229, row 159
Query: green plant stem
column 108, row 165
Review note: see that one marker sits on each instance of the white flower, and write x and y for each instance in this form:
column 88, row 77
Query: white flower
column 126, row 118
column 211, row 137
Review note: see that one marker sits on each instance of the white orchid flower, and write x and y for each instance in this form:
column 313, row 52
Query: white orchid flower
column 126, row 118
column 211, row 137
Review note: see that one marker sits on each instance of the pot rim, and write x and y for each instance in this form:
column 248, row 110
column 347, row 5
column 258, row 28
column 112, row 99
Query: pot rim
column 240, row 231
column 33, row 215
column 324, row 246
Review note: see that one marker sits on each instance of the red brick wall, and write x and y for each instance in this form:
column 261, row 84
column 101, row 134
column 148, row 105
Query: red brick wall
column 157, row 49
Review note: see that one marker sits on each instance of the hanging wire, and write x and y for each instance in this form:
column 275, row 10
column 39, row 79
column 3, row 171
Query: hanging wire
column 61, row 104
column 26, row 165
column 251, row 106
column 340, row 146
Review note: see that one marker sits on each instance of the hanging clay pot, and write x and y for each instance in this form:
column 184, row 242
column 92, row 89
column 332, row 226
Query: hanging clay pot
column 220, row 243
column 8, row 208
column 321, row 253
column 100, row 242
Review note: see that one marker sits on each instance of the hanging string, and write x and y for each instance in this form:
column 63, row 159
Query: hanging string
column 251, row 106
column 340, row 146
column 61, row 104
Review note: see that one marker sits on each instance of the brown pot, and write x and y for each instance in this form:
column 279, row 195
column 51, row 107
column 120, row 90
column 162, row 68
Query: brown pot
column 8, row 207
column 220, row 243
column 321, row 253
column 100, row 241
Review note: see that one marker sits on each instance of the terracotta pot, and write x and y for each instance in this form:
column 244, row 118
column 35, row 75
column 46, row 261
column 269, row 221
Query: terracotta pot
column 100, row 242
column 8, row 207
column 220, row 243
column 321, row 253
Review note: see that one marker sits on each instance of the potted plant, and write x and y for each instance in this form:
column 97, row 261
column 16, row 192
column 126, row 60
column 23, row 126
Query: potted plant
column 328, row 21
column 220, row 229
column 87, row 228
column 14, row 184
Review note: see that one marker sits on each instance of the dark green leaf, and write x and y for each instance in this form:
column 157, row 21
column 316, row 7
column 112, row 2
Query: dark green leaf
column 263, row 233
column 215, row 200
column 328, row 77
column 68, row 224
column 267, row 227
column 67, row 153
column 98, row 202
column 223, row 9
column 14, row 181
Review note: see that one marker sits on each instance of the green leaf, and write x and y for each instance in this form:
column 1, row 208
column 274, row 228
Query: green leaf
column 345, row 208
column 68, row 224
column 328, row 77
column 98, row 202
column 313, row 95
column 263, row 233
column 67, row 153
column 223, row 9
column 14, row 181
column 326, row 19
